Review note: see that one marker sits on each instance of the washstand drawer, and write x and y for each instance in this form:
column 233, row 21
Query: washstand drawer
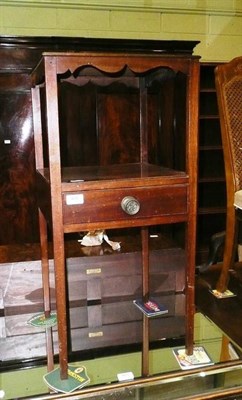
column 124, row 204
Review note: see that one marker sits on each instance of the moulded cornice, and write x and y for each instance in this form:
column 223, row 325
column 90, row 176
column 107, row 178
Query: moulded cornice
column 171, row 6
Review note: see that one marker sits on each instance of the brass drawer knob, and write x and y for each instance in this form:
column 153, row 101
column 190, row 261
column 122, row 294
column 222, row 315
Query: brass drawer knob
column 130, row 205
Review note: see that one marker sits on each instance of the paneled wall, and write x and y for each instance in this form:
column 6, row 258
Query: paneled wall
column 216, row 23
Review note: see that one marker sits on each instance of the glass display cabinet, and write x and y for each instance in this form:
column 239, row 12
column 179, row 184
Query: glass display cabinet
column 218, row 382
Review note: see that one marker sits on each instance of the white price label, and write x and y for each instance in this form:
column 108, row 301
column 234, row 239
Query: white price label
column 74, row 199
column 125, row 376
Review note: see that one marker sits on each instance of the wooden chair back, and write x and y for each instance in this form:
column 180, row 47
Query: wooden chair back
column 228, row 80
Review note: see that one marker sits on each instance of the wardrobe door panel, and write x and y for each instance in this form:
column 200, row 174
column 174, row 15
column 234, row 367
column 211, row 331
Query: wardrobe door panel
column 17, row 200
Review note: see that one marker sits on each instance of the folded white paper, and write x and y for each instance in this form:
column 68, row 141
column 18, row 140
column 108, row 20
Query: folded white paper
column 96, row 238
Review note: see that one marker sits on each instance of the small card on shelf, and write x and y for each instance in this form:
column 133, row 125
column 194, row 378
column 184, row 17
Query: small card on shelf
column 199, row 358
column 151, row 308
